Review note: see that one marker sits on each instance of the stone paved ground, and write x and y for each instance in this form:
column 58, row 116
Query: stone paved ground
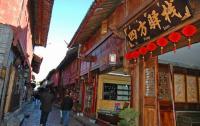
column 53, row 119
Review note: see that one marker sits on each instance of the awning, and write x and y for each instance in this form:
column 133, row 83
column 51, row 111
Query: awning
column 36, row 62
column 53, row 76
column 40, row 13
column 71, row 55
column 99, row 11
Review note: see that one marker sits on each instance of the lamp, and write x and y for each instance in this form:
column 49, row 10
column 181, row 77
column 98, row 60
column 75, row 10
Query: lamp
column 112, row 58
column 162, row 42
column 151, row 47
column 135, row 55
column 189, row 31
column 143, row 51
column 174, row 37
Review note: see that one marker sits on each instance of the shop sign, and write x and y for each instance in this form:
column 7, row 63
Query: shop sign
column 160, row 17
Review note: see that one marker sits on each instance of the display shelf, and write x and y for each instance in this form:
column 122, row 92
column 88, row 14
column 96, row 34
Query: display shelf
column 119, row 92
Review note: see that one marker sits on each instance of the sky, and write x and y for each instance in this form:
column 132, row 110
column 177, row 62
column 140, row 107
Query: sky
column 66, row 18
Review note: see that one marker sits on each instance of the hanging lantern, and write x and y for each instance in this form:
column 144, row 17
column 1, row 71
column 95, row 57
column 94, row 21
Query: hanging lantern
column 128, row 56
column 189, row 31
column 143, row 51
column 135, row 55
column 174, row 37
column 151, row 47
column 132, row 55
column 162, row 42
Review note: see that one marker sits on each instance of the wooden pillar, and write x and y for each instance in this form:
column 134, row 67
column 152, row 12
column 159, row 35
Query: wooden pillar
column 83, row 96
column 135, row 90
column 141, row 93
column 132, row 99
column 94, row 99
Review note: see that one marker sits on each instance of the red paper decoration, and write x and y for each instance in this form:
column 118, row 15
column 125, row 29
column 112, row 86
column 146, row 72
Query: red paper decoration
column 189, row 31
column 162, row 42
column 135, row 55
column 174, row 37
column 128, row 56
column 151, row 47
column 132, row 55
column 143, row 51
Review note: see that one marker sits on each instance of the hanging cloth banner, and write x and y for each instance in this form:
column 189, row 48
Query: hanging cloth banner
column 157, row 19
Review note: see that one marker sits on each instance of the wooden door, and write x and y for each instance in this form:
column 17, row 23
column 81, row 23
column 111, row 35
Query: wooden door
column 165, row 96
column 150, row 116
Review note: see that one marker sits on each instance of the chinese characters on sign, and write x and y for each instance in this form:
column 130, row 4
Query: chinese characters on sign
column 157, row 19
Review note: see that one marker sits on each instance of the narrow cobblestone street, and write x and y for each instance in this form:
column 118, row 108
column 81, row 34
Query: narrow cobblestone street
column 53, row 119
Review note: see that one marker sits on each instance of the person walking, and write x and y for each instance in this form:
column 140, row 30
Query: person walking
column 46, row 99
column 66, row 107
column 36, row 98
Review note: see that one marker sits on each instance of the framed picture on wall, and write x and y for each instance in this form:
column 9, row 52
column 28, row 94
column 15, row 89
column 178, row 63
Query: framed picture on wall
column 179, row 87
column 191, row 89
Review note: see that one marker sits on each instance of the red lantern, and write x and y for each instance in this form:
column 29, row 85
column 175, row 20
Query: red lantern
column 135, row 55
column 174, row 37
column 162, row 42
column 132, row 55
column 151, row 47
column 128, row 56
column 143, row 51
column 189, row 31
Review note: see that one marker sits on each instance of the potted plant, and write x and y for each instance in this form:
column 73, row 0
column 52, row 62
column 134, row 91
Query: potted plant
column 128, row 117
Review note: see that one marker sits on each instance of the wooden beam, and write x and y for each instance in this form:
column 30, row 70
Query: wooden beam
column 88, row 58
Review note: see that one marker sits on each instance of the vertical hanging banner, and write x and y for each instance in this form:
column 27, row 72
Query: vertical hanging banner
column 160, row 17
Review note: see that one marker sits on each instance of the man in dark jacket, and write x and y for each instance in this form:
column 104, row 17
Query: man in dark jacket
column 66, row 107
column 46, row 99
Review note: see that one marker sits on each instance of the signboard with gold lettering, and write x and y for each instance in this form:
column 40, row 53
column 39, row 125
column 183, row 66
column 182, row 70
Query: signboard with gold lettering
column 158, row 18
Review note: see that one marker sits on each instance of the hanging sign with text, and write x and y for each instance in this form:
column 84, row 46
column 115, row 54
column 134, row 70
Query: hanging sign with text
column 158, row 18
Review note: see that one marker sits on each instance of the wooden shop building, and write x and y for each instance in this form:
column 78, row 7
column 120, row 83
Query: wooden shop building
column 141, row 52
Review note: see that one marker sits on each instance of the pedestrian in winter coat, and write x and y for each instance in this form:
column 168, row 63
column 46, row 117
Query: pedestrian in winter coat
column 46, row 98
column 66, row 107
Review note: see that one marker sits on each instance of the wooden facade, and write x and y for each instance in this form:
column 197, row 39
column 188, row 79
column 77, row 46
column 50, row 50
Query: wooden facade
column 65, row 76
column 162, row 93
column 18, row 37
column 103, row 42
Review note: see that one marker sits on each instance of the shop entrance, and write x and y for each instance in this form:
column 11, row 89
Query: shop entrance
column 113, row 95
column 179, row 87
